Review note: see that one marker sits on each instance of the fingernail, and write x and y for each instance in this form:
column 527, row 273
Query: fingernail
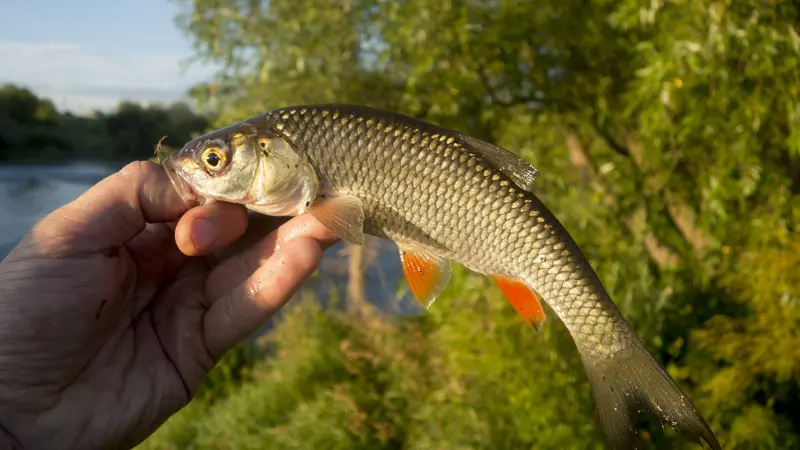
column 204, row 235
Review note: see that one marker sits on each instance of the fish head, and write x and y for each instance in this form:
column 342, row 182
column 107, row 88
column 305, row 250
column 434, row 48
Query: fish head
column 221, row 165
column 245, row 165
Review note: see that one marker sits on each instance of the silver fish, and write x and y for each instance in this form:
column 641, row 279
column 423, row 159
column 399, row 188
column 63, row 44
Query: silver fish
column 441, row 196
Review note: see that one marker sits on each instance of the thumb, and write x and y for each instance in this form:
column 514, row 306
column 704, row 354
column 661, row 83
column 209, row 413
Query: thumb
column 111, row 213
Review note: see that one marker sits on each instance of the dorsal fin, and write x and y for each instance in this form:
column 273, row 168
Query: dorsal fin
column 510, row 164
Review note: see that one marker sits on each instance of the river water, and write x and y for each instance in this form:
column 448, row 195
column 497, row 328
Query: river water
column 28, row 193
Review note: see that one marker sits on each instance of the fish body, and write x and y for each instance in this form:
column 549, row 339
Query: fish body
column 441, row 196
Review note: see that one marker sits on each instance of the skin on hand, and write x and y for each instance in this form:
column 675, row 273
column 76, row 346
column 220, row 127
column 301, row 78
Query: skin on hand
column 111, row 314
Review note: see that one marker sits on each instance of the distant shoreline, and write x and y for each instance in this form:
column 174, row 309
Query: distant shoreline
column 111, row 165
column 87, row 171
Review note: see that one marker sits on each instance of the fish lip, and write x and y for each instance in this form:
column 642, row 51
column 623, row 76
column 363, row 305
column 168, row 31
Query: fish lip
column 184, row 189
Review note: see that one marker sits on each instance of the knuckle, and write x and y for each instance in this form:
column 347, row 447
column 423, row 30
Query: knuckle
column 136, row 169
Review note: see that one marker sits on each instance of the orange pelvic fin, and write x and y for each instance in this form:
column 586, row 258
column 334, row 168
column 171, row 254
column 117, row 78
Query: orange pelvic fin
column 427, row 274
column 523, row 299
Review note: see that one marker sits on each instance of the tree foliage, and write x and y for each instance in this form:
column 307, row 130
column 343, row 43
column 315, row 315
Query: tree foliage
column 33, row 130
column 667, row 136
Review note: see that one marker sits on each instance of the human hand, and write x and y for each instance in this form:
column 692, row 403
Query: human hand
column 110, row 316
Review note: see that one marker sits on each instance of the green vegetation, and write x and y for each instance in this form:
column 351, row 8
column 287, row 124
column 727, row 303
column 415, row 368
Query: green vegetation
column 668, row 137
column 33, row 131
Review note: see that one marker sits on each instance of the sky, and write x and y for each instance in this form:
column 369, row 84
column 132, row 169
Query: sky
column 91, row 54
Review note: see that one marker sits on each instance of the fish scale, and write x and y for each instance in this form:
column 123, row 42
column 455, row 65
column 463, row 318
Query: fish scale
column 442, row 195
column 486, row 242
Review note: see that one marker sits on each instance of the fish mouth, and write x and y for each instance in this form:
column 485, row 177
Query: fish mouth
column 184, row 189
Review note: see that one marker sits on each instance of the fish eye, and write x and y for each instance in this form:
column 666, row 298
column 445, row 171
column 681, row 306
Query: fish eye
column 214, row 158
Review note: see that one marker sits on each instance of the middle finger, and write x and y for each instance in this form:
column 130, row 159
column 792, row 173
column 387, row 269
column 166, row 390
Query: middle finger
column 239, row 266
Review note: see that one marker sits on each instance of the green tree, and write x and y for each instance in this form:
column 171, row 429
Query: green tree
column 135, row 129
column 23, row 106
column 32, row 130
column 27, row 124
column 666, row 133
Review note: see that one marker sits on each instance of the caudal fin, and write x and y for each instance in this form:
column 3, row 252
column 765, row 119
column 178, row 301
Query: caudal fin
column 634, row 382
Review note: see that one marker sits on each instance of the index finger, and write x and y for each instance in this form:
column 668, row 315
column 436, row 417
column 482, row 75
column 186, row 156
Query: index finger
column 258, row 245
column 112, row 212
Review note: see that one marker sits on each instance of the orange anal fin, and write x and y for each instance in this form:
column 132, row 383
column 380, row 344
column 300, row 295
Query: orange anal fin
column 427, row 275
column 523, row 299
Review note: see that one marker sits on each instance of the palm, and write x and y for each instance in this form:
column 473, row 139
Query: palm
column 129, row 336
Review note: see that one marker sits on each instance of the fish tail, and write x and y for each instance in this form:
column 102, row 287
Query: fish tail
column 631, row 382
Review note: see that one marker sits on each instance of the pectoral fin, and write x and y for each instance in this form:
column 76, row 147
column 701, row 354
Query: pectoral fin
column 523, row 299
column 427, row 274
column 343, row 215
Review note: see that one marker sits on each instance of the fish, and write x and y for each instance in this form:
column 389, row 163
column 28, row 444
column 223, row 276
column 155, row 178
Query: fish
column 443, row 197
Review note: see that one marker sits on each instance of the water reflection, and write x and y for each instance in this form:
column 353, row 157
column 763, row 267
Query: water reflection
column 28, row 193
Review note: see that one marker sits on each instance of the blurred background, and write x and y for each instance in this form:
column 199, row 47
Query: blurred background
column 667, row 134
